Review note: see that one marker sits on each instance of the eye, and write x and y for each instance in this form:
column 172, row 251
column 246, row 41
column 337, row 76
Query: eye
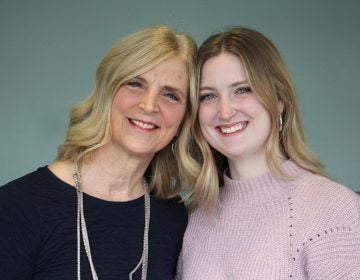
column 172, row 95
column 134, row 84
column 207, row 97
column 243, row 90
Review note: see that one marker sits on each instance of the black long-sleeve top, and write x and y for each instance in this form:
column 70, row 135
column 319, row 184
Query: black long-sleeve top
column 38, row 232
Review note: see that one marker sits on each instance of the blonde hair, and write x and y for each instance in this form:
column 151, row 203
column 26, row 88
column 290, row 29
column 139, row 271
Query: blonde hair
column 89, row 127
column 271, row 82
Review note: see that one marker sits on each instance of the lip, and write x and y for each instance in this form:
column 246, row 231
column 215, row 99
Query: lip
column 142, row 125
column 233, row 128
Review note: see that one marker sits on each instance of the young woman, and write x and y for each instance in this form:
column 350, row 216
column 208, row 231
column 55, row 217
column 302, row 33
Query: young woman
column 275, row 216
column 105, row 209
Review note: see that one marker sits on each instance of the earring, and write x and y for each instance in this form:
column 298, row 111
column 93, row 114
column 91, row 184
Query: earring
column 280, row 123
column 173, row 147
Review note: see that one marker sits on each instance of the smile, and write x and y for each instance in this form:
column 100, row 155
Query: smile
column 234, row 128
column 143, row 124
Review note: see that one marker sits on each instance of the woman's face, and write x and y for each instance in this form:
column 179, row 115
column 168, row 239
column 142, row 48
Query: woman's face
column 147, row 110
column 232, row 119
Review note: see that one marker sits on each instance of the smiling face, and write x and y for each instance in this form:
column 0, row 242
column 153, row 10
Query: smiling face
column 147, row 110
column 232, row 119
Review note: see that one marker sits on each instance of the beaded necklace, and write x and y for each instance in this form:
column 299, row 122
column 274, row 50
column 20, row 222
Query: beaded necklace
column 82, row 230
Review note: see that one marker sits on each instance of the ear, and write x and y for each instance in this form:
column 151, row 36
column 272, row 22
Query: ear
column 280, row 107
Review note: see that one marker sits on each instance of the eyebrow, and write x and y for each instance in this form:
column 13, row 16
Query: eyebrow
column 138, row 78
column 169, row 88
column 206, row 88
column 235, row 84
column 239, row 83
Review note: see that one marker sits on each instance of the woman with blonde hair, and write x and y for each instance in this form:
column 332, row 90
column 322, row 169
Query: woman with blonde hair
column 107, row 207
column 265, row 210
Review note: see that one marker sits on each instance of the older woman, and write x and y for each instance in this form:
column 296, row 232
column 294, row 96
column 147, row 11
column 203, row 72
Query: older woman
column 275, row 216
column 107, row 207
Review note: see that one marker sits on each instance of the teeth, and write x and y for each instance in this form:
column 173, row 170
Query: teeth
column 232, row 129
column 143, row 125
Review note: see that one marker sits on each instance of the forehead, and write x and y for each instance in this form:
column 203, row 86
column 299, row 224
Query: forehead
column 172, row 71
column 225, row 66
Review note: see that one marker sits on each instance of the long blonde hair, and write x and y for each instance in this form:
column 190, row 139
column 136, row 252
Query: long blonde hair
column 270, row 80
column 89, row 127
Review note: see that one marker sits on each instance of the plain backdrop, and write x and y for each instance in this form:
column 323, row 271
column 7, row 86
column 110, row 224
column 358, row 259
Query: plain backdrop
column 49, row 51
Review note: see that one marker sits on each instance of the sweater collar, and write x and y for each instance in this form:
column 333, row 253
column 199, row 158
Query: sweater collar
column 260, row 189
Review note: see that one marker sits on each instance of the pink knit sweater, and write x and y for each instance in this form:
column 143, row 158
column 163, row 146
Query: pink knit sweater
column 268, row 228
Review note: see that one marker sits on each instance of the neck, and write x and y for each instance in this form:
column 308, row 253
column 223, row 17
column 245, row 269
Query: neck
column 108, row 174
column 114, row 176
column 249, row 166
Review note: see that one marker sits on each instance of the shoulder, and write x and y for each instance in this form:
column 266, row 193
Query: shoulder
column 19, row 198
column 329, row 201
column 19, row 214
column 23, row 185
column 32, row 191
column 38, row 179
column 202, row 221
column 170, row 209
column 324, row 191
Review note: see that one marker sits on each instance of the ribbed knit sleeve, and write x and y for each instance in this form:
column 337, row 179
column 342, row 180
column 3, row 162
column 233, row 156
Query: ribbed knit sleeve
column 327, row 230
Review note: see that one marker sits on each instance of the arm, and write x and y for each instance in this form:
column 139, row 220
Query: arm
column 334, row 253
column 18, row 238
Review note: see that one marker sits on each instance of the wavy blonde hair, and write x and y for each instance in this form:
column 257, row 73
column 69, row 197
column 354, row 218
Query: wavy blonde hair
column 270, row 81
column 89, row 127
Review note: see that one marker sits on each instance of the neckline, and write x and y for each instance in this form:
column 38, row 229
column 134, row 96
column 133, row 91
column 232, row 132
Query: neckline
column 71, row 190
column 260, row 189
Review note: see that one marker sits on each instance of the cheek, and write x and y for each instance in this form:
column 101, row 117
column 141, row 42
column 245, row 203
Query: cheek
column 253, row 107
column 173, row 116
column 261, row 115
column 123, row 101
column 205, row 114
column 250, row 103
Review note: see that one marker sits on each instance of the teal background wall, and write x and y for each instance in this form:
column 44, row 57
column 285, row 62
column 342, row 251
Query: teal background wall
column 49, row 51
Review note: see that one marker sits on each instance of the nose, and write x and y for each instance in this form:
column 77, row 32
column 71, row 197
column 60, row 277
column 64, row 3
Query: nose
column 225, row 109
column 149, row 102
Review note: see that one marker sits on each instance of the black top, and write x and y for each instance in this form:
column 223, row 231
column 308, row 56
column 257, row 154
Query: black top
column 38, row 232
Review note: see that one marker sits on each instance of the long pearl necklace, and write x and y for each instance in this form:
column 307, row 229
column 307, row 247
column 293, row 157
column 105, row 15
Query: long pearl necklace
column 81, row 227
